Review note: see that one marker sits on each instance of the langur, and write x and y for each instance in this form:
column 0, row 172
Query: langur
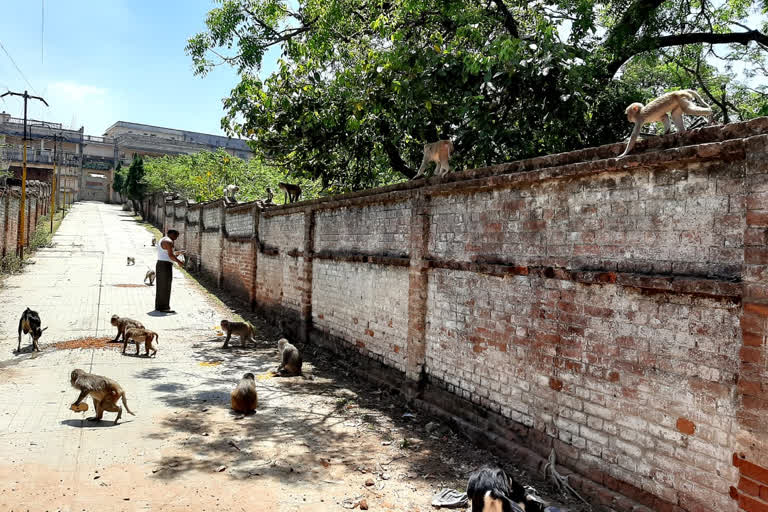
column 150, row 275
column 229, row 194
column 292, row 192
column 242, row 329
column 290, row 358
column 270, row 195
column 30, row 323
column 139, row 335
column 131, row 260
column 244, row 397
column 104, row 392
column 123, row 324
column 490, row 490
column 154, row 241
column 676, row 103
column 438, row 152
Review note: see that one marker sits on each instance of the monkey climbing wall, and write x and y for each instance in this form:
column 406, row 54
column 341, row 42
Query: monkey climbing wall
column 615, row 311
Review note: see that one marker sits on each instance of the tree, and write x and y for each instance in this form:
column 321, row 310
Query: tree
column 118, row 182
column 135, row 187
column 362, row 85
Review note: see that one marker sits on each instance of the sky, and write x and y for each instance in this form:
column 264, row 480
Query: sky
column 102, row 61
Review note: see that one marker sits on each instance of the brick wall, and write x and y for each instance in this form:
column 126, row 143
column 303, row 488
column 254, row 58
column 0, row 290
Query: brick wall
column 615, row 311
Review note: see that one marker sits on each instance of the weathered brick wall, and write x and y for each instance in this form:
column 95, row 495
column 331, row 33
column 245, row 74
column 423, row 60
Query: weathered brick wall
column 192, row 236
column 179, row 218
column 12, row 227
column 210, row 255
column 615, row 311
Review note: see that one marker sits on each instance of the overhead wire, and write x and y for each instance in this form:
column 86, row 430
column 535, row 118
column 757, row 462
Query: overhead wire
column 18, row 69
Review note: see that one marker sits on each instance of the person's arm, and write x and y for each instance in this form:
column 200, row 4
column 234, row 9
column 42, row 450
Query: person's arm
column 169, row 248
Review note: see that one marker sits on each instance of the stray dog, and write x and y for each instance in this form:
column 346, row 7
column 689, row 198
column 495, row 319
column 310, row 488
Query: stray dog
column 30, row 324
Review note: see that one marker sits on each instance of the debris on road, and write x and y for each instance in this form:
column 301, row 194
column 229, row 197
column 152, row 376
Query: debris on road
column 88, row 342
column 450, row 498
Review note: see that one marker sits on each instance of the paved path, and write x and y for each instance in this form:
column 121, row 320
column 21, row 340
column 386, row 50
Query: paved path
column 310, row 447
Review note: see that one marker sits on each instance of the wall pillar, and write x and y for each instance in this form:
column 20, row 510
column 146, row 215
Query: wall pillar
column 222, row 237
column 306, row 277
column 417, row 294
column 255, row 258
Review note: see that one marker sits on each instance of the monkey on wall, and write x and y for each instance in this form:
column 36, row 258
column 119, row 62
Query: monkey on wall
column 30, row 323
column 229, row 194
column 104, row 392
column 244, row 397
column 292, row 192
column 290, row 358
column 242, row 329
column 438, row 152
column 676, row 103
column 123, row 324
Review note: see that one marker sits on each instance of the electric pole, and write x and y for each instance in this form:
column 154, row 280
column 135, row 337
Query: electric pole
column 22, row 212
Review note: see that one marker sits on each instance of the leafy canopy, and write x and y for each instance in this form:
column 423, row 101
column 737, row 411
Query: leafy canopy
column 361, row 85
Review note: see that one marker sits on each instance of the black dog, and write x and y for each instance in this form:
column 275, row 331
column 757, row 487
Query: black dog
column 490, row 490
column 30, row 324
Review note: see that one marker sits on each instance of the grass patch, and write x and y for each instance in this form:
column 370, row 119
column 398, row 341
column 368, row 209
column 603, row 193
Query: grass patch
column 42, row 237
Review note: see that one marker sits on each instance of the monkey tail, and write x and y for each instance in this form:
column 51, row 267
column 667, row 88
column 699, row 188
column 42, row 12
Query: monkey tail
column 126, row 406
column 698, row 98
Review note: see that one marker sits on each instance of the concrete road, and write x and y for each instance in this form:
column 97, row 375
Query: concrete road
column 312, row 445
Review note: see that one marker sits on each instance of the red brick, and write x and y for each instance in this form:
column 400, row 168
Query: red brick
column 686, row 426
column 753, row 471
column 756, row 308
column 755, row 256
column 749, row 486
column 750, row 354
column 757, row 218
column 752, row 340
column 555, row 384
column 751, row 504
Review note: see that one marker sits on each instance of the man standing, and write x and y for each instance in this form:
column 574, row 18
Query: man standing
column 164, row 271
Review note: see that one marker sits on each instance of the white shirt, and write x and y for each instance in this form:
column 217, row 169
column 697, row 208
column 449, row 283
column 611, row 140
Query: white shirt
column 162, row 254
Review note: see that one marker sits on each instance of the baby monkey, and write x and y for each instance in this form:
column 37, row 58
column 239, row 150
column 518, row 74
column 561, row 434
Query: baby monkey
column 138, row 335
column 676, row 103
column 242, row 329
column 438, row 152
column 244, row 397
column 131, row 261
column 290, row 358
column 150, row 275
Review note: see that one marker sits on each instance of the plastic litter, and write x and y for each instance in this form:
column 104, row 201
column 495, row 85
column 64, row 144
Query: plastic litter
column 450, row 498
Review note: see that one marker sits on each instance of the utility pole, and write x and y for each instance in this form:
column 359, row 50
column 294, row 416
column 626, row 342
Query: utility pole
column 53, row 179
column 22, row 212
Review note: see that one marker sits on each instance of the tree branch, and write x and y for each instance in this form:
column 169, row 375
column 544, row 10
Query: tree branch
column 655, row 43
column 636, row 15
column 509, row 21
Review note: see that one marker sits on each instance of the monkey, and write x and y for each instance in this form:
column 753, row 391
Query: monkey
column 30, row 323
column 292, row 192
column 131, row 261
column 242, row 329
column 229, row 194
column 676, row 103
column 150, row 275
column 244, row 397
column 290, row 358
column 438, row 152
column 491, row 490
column 104, row 392
column 270, row 195
column 154, row 241
column 123, row 324
column 139, row 335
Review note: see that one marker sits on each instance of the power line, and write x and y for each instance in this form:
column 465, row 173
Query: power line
column 42, row 28
column 18, row 68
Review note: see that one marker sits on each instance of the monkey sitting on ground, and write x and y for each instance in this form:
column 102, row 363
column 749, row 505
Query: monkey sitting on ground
column 123, row 324
column 490, row 490
column 229, row 194
column 242, row 329
column 438, row 152
column 244, row 397
column 30, row 323
column 104, row 392
column 676, row 103
column 139, row 335
column 154, row 241
column 150, row 275
column 292, row 192
column 290, row 358
column 131, row 261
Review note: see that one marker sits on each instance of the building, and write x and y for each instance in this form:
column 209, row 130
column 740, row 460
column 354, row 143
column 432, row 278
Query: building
column 86, row 163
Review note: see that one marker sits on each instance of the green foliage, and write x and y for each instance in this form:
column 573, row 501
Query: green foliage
column 119, row 181
column 135, row 186
column 362, row 85
column 203, row 176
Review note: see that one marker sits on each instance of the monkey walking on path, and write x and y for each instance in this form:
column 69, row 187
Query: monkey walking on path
column 104, row 392
column 242, row 329
column 123, row 324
